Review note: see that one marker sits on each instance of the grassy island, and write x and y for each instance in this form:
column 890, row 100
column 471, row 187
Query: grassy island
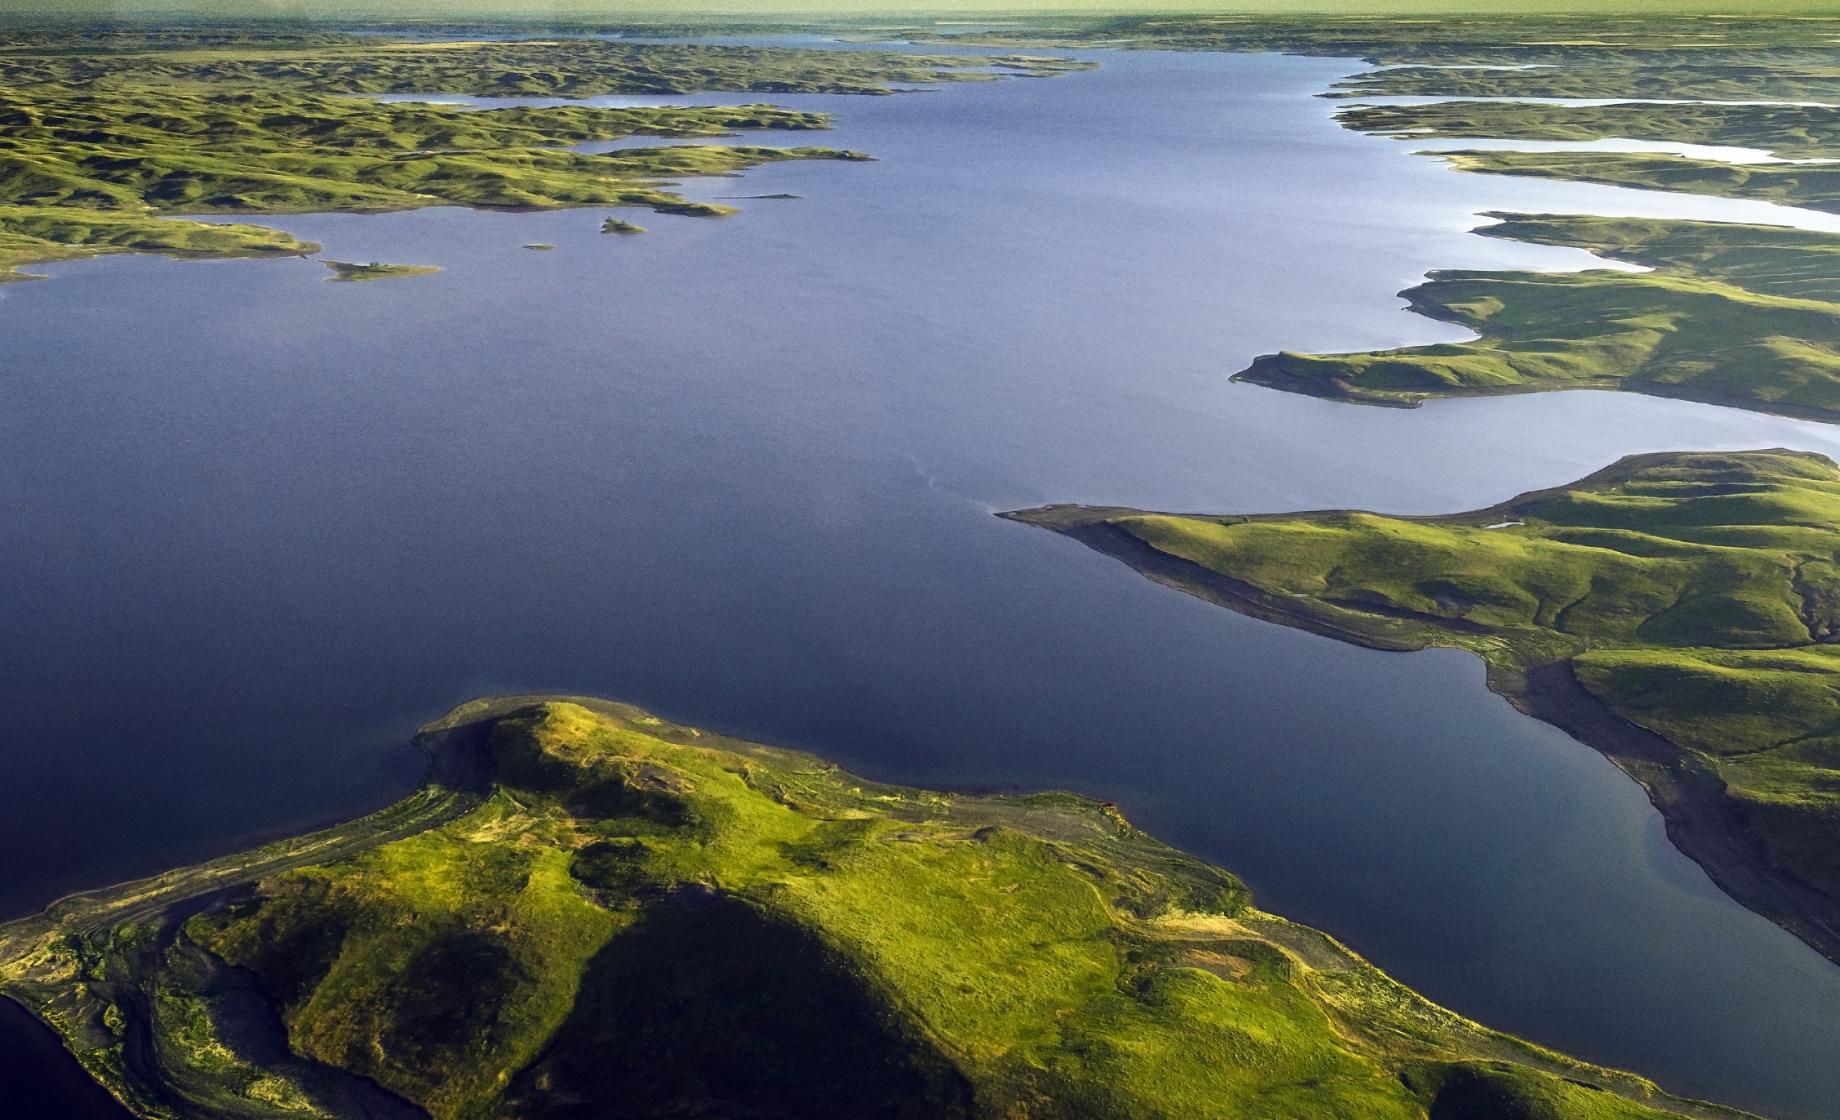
column 1731, row 314
column 109, row 139
column 347, row 272
column 590, row 912
column 1680, row 612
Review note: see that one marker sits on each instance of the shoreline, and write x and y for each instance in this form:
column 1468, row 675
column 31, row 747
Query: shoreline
column 462, row 775
column 458, row 771
column 1700, row 821
column 55, row 1079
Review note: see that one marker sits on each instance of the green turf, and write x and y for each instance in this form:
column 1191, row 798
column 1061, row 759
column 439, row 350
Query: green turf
column 638, row 919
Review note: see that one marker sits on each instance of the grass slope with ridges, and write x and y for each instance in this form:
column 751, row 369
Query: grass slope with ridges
column 634, row 918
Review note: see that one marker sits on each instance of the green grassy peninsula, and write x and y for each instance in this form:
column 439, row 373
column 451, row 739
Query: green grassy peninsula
column 36, row 235
column 1731, row 314
column 1680, row 612
column 589, row 912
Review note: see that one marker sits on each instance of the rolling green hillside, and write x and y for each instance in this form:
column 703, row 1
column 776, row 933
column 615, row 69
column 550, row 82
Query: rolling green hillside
column 605, row 915
column 1680, row 612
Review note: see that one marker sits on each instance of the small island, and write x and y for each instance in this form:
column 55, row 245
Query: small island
column 1679, row 612
column 589, row 911
column 344, row 271
column 621, row 225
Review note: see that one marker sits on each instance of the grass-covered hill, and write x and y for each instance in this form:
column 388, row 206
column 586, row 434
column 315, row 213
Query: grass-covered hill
column 1681, row 612
column 605, row 915
column 1731, row 314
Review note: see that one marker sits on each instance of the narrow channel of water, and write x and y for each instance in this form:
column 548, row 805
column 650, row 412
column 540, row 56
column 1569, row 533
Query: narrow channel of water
column 258, row 525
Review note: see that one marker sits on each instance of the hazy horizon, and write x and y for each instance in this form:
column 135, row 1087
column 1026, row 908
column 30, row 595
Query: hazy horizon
column 768, row 9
